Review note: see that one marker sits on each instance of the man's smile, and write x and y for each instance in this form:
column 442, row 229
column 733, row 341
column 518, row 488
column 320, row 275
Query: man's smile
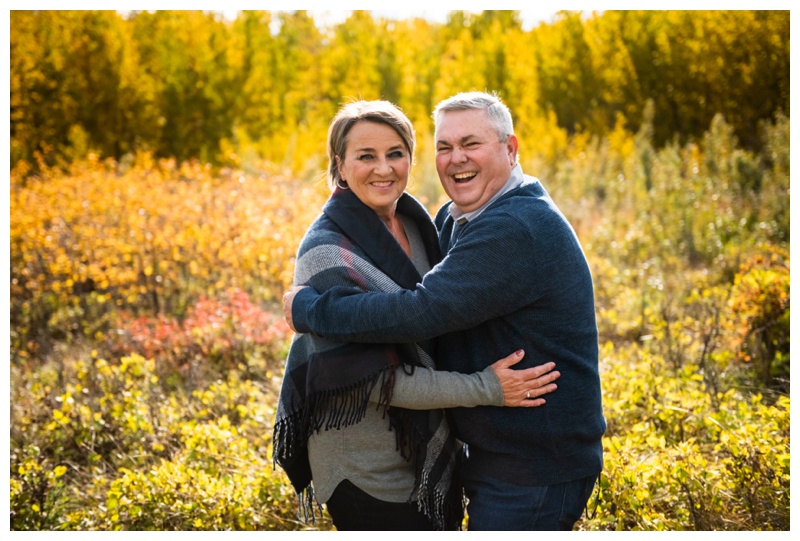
column 465, row 176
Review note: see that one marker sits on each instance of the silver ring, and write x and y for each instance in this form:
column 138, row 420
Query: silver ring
column 528, row 394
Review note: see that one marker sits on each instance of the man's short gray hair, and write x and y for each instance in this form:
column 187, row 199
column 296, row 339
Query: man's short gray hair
column 499, row 115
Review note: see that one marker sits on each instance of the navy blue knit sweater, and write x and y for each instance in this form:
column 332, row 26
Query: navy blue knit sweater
column 513, row 277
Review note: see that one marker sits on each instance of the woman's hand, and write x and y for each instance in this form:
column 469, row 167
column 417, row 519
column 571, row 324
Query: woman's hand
column 524, row 387
column 288, row 297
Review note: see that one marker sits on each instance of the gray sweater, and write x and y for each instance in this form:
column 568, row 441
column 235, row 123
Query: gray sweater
column 365, row 452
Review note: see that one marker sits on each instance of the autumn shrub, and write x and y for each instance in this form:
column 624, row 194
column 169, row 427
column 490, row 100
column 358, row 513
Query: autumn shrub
column 215, row 335
column 38, row 493
column 175, row 495
column 760, row 316
column 147, row 343
column 150, row 238
column 677, row 458
column 106, row 414
column 102, row 418
column 219, row 480
column 117, row 453
column 100, row 444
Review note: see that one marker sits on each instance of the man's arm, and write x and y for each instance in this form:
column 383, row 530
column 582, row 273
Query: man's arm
column 486, row 275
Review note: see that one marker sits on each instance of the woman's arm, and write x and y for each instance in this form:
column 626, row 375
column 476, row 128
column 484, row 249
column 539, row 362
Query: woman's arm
column 497, row 385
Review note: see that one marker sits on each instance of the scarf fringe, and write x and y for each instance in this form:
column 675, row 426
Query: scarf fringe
column 334, row 409
column 329, row 409
column 444, row 508
column 305, row 505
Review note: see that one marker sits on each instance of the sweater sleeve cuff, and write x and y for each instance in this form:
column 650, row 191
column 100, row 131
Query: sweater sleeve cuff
column 300, row 304
column 496, row 389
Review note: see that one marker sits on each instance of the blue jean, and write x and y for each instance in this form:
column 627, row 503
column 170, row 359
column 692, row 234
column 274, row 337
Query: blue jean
column 496, row 505
column 353, row 509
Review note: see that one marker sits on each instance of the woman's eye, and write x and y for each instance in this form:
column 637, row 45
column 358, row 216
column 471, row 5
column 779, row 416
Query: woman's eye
column 365, row 157
column 396, row 154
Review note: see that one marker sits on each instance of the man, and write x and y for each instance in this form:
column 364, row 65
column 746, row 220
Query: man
column 515, row 276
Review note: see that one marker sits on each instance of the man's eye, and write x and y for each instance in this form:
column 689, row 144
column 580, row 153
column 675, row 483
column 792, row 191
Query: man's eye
column 473, row 144
column 441, row 150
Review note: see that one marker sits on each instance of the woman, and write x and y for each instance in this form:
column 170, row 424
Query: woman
column 364, row 421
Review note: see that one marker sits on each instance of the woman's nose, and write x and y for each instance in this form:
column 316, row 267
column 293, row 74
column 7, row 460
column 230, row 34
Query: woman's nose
column 383, row 167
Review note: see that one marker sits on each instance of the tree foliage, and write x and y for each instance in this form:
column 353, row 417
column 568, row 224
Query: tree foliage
column 191, row 84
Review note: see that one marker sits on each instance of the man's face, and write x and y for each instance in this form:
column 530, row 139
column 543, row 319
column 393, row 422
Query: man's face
column 472, row 163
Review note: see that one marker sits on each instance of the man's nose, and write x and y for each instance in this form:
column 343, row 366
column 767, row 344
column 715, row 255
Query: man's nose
column 458, row 155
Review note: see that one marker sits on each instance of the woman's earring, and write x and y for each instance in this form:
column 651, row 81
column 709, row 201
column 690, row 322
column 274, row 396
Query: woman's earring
column 345, row 187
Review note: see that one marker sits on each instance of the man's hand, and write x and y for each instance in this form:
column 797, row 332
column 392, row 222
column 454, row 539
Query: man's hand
column 523, row 387
column 288, row 297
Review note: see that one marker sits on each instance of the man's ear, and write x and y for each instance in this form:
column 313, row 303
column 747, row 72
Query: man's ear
column 511, row 146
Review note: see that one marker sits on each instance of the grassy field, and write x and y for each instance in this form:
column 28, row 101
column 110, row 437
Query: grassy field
column 147, row 345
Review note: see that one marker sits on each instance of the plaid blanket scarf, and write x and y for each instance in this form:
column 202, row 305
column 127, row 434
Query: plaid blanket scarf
column 327, row 384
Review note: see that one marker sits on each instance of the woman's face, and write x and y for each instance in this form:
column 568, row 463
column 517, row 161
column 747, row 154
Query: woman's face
column 375, row 166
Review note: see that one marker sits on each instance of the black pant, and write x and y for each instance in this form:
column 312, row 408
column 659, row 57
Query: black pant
column 353, row 509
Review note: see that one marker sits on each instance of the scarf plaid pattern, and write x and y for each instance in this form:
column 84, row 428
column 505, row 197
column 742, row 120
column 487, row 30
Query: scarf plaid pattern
column 327, row 384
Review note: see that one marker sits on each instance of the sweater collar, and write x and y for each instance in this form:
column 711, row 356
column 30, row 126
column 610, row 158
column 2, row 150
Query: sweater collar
column 365, row 229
